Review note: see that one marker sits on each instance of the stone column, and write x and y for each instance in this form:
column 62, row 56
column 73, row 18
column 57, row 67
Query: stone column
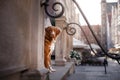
column 69, row 46
column 22, row 40
column 36, row 44
column 104, row 24
column 60, row 48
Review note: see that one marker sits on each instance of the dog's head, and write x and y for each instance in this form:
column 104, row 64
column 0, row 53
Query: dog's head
column 52, row 32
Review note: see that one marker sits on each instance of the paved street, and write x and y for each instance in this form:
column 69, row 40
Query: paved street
column 96, row 72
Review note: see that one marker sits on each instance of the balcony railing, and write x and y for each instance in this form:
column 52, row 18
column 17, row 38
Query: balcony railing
column 72, row 31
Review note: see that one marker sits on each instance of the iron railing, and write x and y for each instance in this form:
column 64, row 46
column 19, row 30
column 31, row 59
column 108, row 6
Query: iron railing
column 117, row 57
column 53, row 15
column 72, row 31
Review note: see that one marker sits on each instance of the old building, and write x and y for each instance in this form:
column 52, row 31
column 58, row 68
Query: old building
column 104, row 23
column 22, row 24
column 21, row 38
column 115, row 21
column 110, row 19
column 97, row 31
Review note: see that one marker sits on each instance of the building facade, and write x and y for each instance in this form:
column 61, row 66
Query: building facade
column 97, row 31
column 110, row 18
column 104, row 23
column 21, row 37
column 22, row 25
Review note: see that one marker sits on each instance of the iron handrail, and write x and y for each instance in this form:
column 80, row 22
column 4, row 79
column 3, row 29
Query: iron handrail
column 89, row 26
column 71, row 31
column 45, row 4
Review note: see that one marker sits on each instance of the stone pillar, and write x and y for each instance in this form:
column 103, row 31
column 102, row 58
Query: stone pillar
column 22, row 40
column 60, row 48
column 69, row 46
column 36, row 46
column 104, row 24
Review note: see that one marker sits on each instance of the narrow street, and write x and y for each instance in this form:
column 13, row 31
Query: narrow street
column 96, row 72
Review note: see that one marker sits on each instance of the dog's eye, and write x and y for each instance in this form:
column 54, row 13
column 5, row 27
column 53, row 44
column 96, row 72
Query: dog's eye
column 50, row 31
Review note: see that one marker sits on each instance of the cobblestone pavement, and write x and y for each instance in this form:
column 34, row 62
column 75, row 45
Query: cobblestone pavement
column 96, row 72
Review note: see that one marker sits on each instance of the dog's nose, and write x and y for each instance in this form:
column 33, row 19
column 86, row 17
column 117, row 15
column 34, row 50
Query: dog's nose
column 53, row 33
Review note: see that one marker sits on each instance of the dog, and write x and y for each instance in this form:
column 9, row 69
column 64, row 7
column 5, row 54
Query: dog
column 51, row 34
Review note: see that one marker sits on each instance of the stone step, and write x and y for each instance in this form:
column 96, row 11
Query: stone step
column 62, row 72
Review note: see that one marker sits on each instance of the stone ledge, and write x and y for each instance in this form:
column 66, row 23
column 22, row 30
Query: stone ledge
column 36, row 75
column 62, row 71
column 12, row 70
column 60, row 62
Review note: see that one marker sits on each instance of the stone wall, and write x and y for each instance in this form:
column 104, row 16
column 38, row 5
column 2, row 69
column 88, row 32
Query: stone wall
column 21, row 37
column 63, row 44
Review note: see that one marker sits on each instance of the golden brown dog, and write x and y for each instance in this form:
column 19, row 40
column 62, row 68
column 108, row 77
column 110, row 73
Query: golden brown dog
column 51, row 34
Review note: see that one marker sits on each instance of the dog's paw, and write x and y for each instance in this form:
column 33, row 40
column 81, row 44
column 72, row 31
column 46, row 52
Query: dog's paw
column 53, row 70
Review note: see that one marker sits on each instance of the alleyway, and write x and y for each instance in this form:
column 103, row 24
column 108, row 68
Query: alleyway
column 96, row 72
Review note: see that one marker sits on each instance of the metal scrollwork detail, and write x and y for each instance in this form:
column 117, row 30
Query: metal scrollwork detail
column 46, row 5
column 70, row 29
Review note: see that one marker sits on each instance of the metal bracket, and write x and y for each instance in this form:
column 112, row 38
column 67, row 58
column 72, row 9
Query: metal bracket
column 53, row 15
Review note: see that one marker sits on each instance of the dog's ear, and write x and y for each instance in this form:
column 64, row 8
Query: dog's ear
column 57, row 30
column 47, row 29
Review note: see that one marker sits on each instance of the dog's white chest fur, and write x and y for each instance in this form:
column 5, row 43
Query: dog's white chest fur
column 52, row 47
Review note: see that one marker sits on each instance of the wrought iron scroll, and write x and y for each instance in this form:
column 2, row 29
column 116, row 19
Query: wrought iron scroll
column 71, row 31
column 46, row 5
column 117, row 57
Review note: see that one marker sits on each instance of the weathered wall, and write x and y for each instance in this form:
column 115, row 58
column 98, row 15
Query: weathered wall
column 14, row 31
column 21, row 35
